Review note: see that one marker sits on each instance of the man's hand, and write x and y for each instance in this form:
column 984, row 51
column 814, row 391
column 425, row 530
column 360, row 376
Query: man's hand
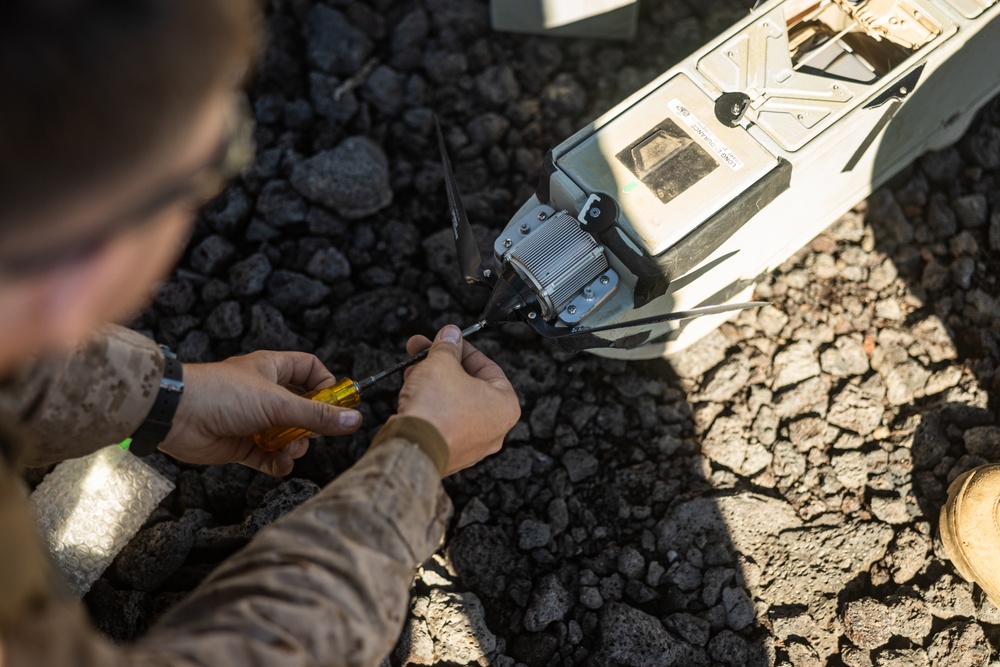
column 225, row 403
column 463, row 393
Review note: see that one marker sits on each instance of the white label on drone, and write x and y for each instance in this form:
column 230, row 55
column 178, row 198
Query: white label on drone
column 699, row 128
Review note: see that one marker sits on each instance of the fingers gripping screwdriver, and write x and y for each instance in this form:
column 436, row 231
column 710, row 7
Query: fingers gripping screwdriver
column 344, row 394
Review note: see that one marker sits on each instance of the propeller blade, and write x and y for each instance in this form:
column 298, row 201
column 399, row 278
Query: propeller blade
column 470, row 260
column 657, row 319
column 680, row 283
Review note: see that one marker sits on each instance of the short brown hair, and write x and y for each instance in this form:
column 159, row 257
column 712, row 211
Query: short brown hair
column 88, row 87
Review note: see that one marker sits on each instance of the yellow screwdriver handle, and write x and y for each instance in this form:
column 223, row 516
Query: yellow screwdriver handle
column 344, row 394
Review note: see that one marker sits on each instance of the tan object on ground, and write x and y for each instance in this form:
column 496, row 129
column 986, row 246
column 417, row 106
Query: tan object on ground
column 970, row 528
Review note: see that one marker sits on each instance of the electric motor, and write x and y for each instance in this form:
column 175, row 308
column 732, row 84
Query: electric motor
column 554, row 256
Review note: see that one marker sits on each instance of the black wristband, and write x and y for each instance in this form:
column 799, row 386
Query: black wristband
column 154, row 430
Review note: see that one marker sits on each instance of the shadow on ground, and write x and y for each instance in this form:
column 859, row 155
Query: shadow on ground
column 769, row 497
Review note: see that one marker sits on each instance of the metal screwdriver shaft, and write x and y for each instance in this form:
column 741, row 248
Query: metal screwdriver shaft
column 370, row 381
column 345, row 394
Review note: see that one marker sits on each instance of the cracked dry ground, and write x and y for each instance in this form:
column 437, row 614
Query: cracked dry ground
column 768, row 497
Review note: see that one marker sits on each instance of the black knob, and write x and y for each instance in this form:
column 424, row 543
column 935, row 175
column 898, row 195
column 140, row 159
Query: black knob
column 730, row 107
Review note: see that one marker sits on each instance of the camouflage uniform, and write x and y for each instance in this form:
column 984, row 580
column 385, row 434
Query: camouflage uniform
column 328, row 584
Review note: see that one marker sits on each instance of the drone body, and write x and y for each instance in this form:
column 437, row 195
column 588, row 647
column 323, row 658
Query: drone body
column 683, row 195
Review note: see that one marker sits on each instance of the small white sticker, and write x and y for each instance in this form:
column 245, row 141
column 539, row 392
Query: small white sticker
column 727, row 156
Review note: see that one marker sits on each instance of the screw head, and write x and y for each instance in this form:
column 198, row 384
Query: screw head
column 594, row 212
column 605, row 280
column 487, row 273
column 532, row 315
column 507, row 243
column 571, row 310
column 735, row 110
column 542, row 215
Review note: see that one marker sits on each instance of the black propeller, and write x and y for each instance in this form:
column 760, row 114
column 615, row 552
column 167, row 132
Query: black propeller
column 470, row 260
column 666, row 317
column 679, row 283
column 583, row 338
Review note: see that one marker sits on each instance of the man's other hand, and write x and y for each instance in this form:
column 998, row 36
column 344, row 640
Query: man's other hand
column 463, row 393
column 224, row 404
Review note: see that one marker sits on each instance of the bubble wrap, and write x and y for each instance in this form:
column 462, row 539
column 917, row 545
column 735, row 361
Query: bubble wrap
column 87, row 510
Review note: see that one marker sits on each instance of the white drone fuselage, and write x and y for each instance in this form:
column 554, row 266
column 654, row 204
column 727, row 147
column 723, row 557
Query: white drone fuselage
column 728, row 163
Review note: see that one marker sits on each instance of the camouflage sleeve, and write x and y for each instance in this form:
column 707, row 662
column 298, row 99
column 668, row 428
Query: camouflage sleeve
column 327, row 584
column 72, row 405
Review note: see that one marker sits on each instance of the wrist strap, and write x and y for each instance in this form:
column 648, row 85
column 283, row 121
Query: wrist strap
column 154, row 430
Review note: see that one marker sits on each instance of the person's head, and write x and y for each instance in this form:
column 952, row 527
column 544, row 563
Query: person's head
column 114, row 119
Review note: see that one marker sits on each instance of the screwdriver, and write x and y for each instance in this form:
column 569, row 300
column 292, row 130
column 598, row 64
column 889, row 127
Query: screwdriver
column 344, row 394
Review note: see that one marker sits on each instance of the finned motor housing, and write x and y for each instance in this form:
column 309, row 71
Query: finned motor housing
column 564, row 266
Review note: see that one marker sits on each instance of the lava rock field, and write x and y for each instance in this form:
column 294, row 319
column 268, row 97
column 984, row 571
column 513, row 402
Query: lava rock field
column 769, row 496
